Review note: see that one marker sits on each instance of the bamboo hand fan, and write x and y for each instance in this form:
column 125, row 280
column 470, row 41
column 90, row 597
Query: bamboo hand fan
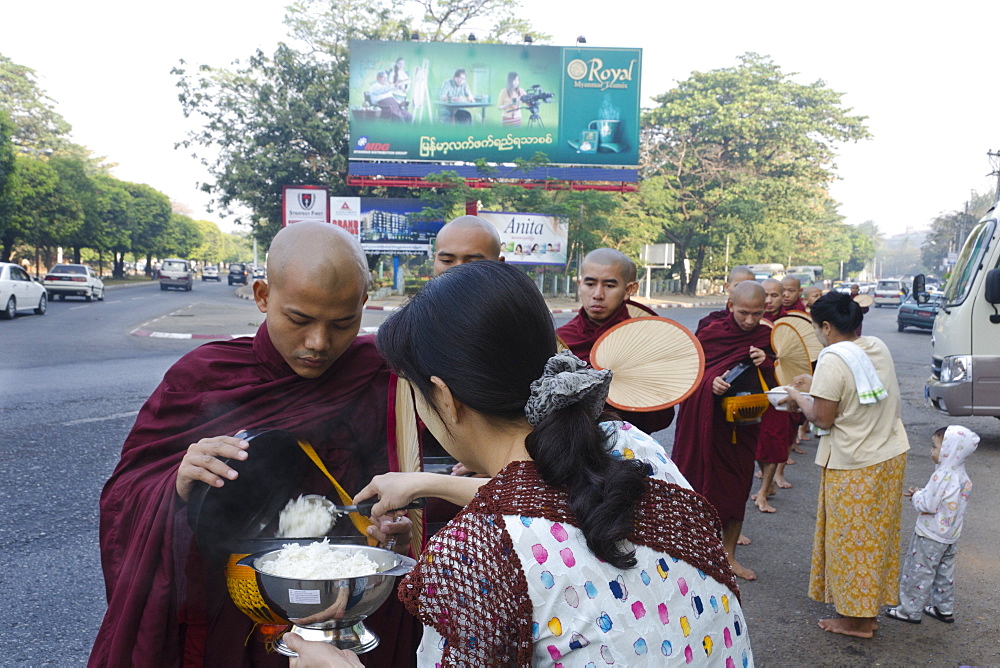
column 793, row 354
column 863, row 300
column 637, row 312
column 655, row 361
column 803, row 324
column 408, row 452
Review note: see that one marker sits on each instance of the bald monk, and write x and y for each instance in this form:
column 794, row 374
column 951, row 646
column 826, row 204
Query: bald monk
column 716, row 467
column 305, row 370
column 736, row 276
column 791, row 295
column 777, row 429
column 466, row 239
column 607, row 280
column 810, row 295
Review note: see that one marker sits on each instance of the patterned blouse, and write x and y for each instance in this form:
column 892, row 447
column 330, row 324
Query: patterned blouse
column 510, row 581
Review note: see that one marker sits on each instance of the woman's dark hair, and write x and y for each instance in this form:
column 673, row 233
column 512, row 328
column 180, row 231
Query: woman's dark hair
column 484, row 329
column 395, row 70
column 510, row 82
column 840, row 310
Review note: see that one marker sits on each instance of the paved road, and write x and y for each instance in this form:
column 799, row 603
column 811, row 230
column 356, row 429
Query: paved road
column 72, row 381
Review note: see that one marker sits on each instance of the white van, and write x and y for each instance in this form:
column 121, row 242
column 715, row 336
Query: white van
column 965, row 367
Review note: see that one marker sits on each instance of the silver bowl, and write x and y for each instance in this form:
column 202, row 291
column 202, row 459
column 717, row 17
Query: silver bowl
column 331, row 610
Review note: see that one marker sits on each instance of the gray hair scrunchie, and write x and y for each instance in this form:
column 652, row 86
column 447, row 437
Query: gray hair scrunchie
column 567, row 380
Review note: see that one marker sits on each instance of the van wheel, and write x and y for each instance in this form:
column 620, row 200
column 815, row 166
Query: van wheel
column 900, row 327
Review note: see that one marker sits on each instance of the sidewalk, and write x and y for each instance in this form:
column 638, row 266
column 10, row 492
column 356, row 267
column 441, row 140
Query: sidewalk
column 241, row 318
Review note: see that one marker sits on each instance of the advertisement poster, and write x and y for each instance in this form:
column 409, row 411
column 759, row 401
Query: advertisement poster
column 448, row 102
column 346, row 212
column 304, row 203
column 387, row 227
column 529, row 238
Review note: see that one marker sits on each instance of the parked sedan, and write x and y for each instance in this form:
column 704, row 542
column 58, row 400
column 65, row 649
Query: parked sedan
column 18, row 293
column 69, row 280
column 913, row 314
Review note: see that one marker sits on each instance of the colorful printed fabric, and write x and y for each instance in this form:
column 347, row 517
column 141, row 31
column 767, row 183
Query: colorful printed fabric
column 855, row 561
column 928, row 578
column 578, row 610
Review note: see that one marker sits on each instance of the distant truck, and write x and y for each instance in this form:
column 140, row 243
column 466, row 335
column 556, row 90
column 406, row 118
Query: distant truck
column 965, row 363
column 767, row 270
column 807, row 274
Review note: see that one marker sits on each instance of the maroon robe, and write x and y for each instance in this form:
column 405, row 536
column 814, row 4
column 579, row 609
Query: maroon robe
column 164, row 597
column 797, row 306
column 704, row 451
column 710, row 318
column 581, row 333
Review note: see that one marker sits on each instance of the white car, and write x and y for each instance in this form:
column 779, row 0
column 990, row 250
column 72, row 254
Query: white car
column 210, row 273
column 18, row 293
column 889, row 292
column 74, row 280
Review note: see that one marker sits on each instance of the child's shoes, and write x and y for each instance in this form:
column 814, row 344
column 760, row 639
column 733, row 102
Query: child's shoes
column 933, row 611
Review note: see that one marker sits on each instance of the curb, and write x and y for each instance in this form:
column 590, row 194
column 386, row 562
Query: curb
column 215, row 337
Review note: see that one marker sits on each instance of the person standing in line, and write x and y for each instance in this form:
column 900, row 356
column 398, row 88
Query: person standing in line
column 717, row 456
column 736, row 276
column 855, row 400
column 465, row 239
column 929, row 570
column 791, row 295
column 607, row 282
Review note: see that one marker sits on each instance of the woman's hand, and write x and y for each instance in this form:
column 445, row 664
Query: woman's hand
column 395, row 490
column 319, row 654
column 802, row 383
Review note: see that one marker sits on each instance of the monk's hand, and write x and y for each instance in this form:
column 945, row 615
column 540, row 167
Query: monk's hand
column 392, row 531
column 757, row 356
column 202, row 462
column 719, row 386
column 315, row 654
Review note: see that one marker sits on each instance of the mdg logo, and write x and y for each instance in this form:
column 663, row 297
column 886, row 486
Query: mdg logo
column 362, row 142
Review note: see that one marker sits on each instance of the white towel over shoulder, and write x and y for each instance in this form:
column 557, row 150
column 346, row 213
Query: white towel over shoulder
column 866, row 378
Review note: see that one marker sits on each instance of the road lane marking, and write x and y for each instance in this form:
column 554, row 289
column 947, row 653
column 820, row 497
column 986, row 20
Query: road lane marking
column 115, row 416
column 73, row 308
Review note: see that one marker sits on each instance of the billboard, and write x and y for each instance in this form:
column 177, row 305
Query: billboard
column 304, row 203
column 529, row 238
column 346, row 212
column 463, row 102
column 387, row 227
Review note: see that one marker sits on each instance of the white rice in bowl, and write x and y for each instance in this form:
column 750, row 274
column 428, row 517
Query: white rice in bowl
column 318, row 561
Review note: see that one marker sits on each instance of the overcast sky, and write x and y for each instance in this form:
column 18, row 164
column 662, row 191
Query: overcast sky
column 926, row 78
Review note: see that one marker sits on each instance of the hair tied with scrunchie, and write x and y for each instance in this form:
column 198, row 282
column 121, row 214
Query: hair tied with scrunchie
column 844, row 304
column 567, row 380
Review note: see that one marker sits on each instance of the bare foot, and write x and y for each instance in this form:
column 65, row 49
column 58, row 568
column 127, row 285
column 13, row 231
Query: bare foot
column 765, row 507
column 789, row 462
column 758, row 475
column 743, row 540
column 783, row 484
column 858, row 627
column 742, row 571
column 797, row 450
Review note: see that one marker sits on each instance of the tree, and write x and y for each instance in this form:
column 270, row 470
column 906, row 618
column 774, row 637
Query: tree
column 181, row 237
column 743, row 145
column 38, row 125
column 148, row 220
column 949, row 230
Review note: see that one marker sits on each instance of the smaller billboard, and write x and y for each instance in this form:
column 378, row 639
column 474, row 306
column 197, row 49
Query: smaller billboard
column 346, row 212
column 530, row 238
column 388, row 227
column 301, row 204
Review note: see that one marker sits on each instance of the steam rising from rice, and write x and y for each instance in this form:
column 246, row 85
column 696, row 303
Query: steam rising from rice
column 306, row 517
column 318, row 561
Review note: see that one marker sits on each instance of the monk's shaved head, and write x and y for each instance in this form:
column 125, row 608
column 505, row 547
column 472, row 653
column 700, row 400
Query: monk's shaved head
column 791, row 291
column 314, row 296
column 792, row 281
column 746, row 301
column 771, row 283
column 609, row 257
column 324, row 254
column 466, row 239
column 811, row 294
column 747, row 292
column 738, row 275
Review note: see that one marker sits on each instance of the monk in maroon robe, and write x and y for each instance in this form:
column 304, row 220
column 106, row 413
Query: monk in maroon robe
column 607, row 280
column 307, row 371
column 791, row 295
column 736, row 276
column 704, row 448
